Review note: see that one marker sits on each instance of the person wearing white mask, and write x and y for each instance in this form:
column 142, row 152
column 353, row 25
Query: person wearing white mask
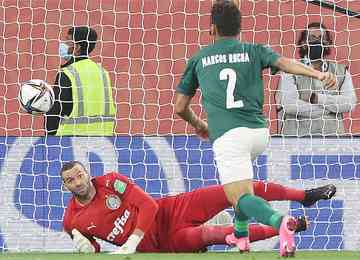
column 83, row 92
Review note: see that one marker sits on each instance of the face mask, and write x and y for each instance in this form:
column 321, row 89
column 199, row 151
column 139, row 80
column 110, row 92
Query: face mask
column 64, row 51
column 316, row 50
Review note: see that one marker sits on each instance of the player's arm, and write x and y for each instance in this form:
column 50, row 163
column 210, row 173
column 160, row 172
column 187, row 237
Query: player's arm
column 297, row 68
column 184, row 93
column 345, row 101
column 82, row 244
column 183, row 109
column 62, row 105
column 147, row 210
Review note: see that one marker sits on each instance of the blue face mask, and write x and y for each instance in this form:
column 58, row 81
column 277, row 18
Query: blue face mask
column 64, row 51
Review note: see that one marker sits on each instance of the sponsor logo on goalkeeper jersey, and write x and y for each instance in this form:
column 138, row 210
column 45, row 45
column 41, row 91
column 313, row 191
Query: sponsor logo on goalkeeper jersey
column 113, row 202
column 119, row 225
column 119, row 186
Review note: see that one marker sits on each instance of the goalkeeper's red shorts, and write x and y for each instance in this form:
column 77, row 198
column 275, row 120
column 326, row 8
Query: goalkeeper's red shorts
column 185, row 210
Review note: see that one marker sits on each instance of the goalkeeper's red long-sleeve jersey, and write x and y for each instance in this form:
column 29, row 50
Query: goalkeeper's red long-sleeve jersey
column 118, row 208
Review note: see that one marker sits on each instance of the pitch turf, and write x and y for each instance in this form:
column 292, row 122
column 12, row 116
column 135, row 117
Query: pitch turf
column 205, row 256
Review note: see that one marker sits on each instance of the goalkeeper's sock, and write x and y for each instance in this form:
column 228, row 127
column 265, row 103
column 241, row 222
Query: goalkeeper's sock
column 215, row 235
column 241, row 224
column 260, row 232
column 273, row 191
column 255, row 207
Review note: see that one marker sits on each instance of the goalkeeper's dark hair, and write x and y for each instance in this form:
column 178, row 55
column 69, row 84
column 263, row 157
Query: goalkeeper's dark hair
column 69, row 165
column 85, row 36
column 302, row 41
column 226, row 16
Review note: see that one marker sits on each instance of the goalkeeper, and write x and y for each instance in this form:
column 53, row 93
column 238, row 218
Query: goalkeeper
column 114, row 209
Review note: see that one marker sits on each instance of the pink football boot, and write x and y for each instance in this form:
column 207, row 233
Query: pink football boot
column 242, row 243
column 286, row 234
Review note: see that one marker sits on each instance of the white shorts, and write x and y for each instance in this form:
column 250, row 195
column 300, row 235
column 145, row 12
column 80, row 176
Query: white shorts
column 235, row 150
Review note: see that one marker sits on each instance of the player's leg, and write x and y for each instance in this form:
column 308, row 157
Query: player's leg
column 189, row 209
column 261, row 232
column 233, row 152
column 197, row 238
column 273, row 191
column 200, row 205
column 209, row 201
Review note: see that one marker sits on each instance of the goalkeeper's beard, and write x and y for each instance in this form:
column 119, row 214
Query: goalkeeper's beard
column 85, row 194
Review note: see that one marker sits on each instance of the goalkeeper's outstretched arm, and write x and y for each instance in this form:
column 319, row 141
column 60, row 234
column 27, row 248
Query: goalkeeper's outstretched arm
column 147, row 210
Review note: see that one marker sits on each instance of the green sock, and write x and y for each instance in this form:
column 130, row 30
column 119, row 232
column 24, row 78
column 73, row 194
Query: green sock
column 241, row 224
column 255, row 207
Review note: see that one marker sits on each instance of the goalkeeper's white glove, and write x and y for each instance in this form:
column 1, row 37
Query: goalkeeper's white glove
column 129, row 247
column 81, row 243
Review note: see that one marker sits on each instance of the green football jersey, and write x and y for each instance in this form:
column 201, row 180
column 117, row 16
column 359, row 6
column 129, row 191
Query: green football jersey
column 229, row 74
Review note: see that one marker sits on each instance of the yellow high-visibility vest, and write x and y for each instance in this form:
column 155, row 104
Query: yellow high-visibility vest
column 93, row 110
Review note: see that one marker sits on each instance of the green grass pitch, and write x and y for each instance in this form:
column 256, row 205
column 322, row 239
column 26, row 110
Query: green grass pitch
column 314, row 255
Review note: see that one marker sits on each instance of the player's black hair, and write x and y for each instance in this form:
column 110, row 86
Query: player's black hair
column 226, row 16
column 302, row 41
column 69, row 165
column 84, row 36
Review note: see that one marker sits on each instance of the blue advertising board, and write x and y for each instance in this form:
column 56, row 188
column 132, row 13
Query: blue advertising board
column 34, row 199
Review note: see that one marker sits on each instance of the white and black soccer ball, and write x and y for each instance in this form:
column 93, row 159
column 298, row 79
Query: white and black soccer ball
column 36, row 96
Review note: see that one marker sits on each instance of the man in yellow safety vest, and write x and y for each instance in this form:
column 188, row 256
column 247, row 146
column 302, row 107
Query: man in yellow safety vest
column 84, row 105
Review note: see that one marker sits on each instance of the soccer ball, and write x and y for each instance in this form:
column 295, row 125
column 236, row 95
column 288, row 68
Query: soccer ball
column 36, row 96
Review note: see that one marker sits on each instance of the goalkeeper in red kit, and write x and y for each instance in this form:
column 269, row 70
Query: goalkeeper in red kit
column 114, row 209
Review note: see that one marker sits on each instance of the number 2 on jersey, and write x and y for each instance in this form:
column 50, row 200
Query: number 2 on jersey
column 230, row 75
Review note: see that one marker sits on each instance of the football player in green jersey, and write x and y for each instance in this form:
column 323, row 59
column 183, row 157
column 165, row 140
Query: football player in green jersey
column 229, row 74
